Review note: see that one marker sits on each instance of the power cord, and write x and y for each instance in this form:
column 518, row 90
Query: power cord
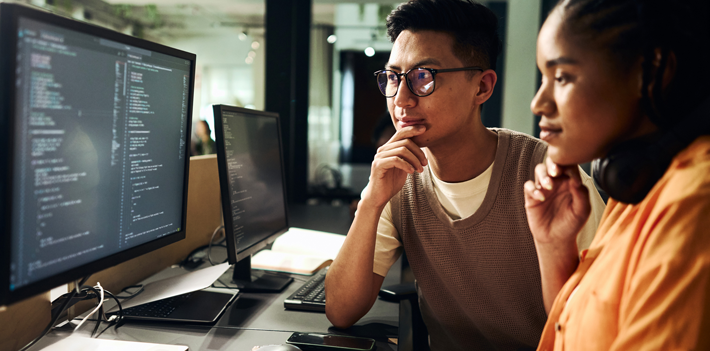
column 209, row 248
column 193, row 260
column 137, row 286
column 98, row 306
column 54, row 320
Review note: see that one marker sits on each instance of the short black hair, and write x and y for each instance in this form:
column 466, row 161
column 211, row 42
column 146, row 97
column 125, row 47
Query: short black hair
column 630, row 29
column 473, row 27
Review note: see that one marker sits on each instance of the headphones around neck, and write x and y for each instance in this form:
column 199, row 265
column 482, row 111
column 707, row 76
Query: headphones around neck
column 631, row 169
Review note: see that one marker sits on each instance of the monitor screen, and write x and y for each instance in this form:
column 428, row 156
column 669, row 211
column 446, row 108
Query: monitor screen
column 254, row 205
column 251, row 181
column 96, row 126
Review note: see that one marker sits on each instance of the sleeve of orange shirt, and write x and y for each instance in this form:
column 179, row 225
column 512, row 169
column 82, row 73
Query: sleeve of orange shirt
column 666, row 302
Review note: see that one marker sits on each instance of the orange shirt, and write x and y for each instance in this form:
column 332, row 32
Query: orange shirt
column 644, row 283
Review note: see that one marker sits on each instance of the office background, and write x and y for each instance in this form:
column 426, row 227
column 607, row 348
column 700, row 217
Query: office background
column 312, row 62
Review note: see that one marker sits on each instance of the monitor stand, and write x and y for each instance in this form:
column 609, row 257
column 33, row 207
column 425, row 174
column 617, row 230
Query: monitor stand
column 242, row 277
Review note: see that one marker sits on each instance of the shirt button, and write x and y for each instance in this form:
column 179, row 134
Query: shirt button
column 558, row 327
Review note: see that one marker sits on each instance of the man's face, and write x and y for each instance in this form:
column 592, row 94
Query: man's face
column 449, row 112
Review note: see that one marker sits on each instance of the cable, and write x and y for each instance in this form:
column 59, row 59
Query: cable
column 137, row 286
column 191, row 262
column 116, row 322
column 56, row 317
column 96, row 294
column 209, row 248
column 101, row 302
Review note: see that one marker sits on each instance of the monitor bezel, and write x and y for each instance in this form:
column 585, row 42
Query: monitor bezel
column 10, row 14
column 234, row 255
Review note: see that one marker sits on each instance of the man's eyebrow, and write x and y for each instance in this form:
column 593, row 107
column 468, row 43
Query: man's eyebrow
column 427, row 61
column 424, row 62
column 561, row 61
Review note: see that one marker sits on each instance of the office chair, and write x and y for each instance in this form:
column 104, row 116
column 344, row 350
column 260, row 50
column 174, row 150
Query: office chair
column 413, row 334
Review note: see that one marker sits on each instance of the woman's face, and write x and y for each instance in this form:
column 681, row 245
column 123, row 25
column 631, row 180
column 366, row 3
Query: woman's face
column 587, row 103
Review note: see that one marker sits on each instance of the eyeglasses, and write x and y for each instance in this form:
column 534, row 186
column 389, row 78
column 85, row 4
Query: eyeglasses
column 420, row 80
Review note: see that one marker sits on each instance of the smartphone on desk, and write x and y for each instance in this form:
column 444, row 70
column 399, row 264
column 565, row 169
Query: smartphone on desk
column 324, row 342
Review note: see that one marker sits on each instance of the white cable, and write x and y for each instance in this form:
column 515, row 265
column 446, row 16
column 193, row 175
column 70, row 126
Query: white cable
column 101, row 302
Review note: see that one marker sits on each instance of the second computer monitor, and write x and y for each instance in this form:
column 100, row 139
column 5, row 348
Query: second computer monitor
column 253, row 190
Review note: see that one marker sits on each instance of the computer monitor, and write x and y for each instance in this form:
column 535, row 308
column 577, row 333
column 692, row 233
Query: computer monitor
column 94, row 153
column 252, row 185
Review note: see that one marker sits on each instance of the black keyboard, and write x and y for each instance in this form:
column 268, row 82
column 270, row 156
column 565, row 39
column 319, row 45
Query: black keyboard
column 311, row 295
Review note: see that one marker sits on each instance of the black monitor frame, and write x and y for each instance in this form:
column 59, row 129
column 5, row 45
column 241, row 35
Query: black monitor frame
column 242, row 276
column 9, row 21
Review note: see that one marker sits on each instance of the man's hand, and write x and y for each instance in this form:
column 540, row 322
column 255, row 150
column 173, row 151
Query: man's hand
column 394, row 160
column 351, row 286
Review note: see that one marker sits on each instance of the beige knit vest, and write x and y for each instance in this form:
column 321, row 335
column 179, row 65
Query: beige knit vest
column 478, row 277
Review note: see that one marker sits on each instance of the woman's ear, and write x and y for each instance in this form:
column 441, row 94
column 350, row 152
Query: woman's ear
column 486, row 85
column 670, row 64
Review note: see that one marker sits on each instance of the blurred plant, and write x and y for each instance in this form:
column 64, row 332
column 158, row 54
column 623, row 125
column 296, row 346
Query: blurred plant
column 153, row 16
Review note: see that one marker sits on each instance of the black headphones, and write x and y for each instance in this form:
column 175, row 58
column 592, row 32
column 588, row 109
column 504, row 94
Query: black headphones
column 633, row 167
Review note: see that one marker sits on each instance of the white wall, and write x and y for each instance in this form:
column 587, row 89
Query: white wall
column 222, row 75
column 520, row 82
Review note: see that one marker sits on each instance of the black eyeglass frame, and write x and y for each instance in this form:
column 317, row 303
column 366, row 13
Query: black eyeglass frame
column 433, row 72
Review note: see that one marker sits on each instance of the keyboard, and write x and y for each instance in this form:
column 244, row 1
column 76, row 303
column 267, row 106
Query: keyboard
column 311, row 295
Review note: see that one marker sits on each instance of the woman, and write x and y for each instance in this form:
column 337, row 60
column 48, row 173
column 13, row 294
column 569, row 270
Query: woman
column 619, row 82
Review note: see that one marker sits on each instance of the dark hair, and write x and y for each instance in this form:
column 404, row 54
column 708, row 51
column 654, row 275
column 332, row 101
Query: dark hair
column 207, row 125
column 629, row 29
column 473, row 27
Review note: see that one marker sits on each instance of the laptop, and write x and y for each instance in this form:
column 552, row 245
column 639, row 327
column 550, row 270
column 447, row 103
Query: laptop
column 182, row 298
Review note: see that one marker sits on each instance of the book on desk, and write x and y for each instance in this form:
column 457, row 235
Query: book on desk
column 299, row 251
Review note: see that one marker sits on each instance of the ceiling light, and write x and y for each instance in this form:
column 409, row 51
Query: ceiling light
column 370, row 51
column 332, row 39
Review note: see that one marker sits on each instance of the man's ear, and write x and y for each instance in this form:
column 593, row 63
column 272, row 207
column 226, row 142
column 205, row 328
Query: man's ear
column 485, row 86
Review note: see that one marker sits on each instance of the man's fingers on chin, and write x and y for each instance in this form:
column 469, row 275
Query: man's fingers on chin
column 407, row 132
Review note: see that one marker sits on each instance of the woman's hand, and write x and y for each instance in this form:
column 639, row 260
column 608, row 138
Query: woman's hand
column 557, row 204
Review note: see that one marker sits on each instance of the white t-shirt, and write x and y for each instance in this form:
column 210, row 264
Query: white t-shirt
column 461, row 200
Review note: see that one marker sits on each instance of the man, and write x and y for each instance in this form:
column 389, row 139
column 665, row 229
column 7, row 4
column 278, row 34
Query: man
column 448, row 191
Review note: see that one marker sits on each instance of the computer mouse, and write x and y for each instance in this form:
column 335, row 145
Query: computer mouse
column 283, row 347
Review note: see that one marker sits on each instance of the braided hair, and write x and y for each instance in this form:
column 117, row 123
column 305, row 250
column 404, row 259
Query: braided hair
column 629, row 29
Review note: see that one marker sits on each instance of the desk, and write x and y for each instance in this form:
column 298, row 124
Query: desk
column 260, row 318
